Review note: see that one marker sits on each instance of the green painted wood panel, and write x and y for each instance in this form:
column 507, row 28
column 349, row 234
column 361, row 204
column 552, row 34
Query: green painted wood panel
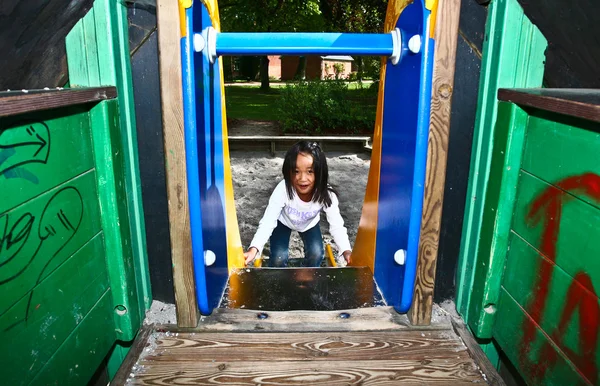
column 562, row 307
column 117, row 236
column 553, row 370
column 513, row 56
column 38, row 154
column 556, row 150
column 576, row 245
column 40, row 235
column 98, row 54
column 507, row 149
column 80, row 355
column 57, row 306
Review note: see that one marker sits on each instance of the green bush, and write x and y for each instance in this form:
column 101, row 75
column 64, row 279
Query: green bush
column 371, row 67
column 320, row 107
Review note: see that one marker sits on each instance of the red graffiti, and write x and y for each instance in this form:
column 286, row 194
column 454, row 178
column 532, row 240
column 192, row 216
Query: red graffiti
column 581, row 296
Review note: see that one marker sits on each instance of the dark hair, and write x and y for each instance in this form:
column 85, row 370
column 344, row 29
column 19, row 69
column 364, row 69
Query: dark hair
column 319, row 166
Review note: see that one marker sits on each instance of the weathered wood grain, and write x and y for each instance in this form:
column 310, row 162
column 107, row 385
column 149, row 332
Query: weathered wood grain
column 361, row 319
column 134, row 353
column 413, row 355
column 492, row 376
column 172, row 116
column 380, row 372
column 446, row 32
column 413, row 344
column 19, row 102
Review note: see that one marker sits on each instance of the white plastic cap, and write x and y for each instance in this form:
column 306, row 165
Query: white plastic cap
column 209, row 258
column 400, row 256
column 414, row 44
column 199, row 43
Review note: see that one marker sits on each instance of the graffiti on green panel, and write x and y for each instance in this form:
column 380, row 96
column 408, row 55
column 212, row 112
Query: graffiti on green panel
column 508, row 333
column 58, row 305
column 39, row 236
column 37, row 155
column 557, row 150
column 21, row 146
column 574, row 327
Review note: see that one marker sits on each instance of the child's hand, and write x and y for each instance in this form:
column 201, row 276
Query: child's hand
column 347, row 256
column 250, row 255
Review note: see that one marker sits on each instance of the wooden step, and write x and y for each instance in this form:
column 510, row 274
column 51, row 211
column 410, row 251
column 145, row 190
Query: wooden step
column 345, row 358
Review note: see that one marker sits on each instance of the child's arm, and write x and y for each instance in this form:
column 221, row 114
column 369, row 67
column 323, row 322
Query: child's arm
column 337, row 228
column 268, row 222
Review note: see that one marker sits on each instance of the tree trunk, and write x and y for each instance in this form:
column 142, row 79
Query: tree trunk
column 301, row 69
column 264, row 73
column 359, row 69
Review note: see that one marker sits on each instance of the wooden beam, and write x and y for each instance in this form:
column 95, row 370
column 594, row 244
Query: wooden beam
column 446, row 35
column 492, row 376
column 138, row 346
column 580, row 103
column 28, row 101
column 171, row 93
column 358, row 319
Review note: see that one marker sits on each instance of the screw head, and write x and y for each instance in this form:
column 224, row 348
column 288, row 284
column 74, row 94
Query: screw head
column 262, row 315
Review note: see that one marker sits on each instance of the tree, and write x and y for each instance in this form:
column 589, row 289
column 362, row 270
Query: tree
column 355, row 16
column 270, row 16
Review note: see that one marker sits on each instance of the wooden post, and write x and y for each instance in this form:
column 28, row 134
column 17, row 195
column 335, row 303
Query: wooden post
column 171, row 93
column 446, row 34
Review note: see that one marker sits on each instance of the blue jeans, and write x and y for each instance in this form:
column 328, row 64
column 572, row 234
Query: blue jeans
column 280, row 246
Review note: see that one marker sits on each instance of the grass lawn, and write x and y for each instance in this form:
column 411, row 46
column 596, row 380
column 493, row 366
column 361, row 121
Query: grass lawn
column 250, row 102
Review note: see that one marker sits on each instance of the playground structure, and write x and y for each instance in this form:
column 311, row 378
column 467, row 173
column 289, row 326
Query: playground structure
column 388, row 241
column 73, row 266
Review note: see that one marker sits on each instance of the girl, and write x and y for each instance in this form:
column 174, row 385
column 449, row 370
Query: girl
column 296, row 204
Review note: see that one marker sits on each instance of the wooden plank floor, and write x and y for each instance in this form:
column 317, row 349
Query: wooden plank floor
column 213, row 355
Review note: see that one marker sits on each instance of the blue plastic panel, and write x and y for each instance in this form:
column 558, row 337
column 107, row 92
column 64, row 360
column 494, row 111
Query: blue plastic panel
column 210, row 159
column 204, row 160
column 191, row 158
column 304, row 43
column 403, row 160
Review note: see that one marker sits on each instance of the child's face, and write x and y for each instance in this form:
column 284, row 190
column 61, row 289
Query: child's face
column 303, row 177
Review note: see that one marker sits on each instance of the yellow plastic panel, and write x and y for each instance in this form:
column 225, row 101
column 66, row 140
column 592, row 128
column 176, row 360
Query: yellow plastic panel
column 433, row 18
column 183, row 5
column 213, row 11
column 363, row 253
column 394, row 9
column 235, row 251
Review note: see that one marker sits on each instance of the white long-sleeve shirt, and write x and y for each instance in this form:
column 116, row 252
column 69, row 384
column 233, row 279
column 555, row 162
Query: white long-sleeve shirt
column 300, row 216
